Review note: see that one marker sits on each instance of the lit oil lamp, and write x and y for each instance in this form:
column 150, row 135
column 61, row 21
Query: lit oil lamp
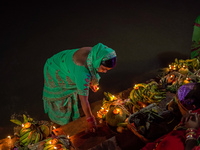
column 171, row 79
column 112, row 97
column 53, row 141
column 97, row 88
column 174, row 68
column 188, row 79
column 170, row 67
column 143, row 106
column 9, row 137
column 136, row 86
column 102, row 112
column 27, row 125
column 116, row 111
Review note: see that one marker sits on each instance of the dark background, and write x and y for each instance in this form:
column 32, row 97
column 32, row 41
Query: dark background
column 145, row 34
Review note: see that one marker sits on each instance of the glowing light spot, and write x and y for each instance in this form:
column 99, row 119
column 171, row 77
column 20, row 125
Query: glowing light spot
column 116, row 111
column 9, row 137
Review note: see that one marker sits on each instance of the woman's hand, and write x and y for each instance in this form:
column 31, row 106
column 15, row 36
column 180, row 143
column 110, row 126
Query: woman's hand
column 87, row 111
column 92, row 125
column 94, row 88
column 192, row 120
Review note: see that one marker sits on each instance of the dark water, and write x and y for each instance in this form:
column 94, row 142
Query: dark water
column 146, row 36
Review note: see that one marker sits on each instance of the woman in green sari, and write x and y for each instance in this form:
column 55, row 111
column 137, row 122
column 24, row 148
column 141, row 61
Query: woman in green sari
column 70, row 73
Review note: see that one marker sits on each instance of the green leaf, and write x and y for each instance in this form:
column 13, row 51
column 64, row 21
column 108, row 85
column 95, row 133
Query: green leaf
column 16, row 121
column 30, row 119
column 25, row 118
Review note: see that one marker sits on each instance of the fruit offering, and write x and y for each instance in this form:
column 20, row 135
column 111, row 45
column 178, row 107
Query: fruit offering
column 31, row 132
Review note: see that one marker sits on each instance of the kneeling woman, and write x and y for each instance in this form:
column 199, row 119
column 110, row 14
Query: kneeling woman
column 70, row 73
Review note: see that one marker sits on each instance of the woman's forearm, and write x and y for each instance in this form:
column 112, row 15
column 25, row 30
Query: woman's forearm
column 190, row 144
column 85, row 105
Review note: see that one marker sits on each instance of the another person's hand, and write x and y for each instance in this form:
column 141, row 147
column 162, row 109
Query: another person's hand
column 92, row 125
column 94, row 88
column 192, row 120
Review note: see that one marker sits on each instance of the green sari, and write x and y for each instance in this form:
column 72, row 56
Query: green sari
column 195, row 48
column 64, row 79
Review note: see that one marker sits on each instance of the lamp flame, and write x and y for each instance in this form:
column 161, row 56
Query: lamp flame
column 116, row 111
column 9, row 137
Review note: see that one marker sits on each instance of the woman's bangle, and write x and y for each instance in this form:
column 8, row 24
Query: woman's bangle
column 191, row 134
column 191, row 130
column 90, row 119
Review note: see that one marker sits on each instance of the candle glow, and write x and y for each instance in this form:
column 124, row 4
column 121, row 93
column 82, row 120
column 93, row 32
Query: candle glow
column 9, row 137
column 27, row 125
column 143, row 106
column 116, row 111
column 112, row 97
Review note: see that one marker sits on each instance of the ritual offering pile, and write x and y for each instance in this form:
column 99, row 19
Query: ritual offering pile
column 147, row 110
column 37, row 135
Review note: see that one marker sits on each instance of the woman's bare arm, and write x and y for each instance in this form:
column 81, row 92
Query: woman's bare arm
column 85, row 105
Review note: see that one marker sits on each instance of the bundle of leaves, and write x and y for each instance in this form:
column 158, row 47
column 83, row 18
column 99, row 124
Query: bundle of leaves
column 173, row 80
column 192, row 64
column 144, row 94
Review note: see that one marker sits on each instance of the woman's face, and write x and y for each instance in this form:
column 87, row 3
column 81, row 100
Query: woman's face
column 103, row 69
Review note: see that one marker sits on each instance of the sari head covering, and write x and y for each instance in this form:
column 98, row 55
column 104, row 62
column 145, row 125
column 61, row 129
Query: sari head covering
column 98, row 53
